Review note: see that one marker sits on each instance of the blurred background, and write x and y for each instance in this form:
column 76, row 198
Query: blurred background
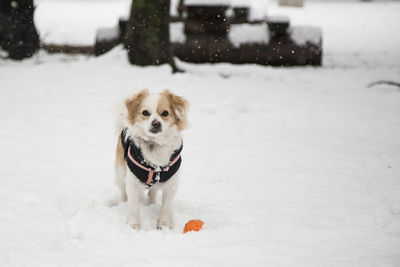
column 267, row 32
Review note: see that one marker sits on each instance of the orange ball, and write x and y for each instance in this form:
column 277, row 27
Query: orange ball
column 193, row 225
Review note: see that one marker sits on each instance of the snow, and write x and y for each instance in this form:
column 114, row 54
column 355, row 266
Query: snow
column 279, row 18
column 108, row 34
column 286, row 166
column 207, row 2
column 248, row 33
column 241, row 3
column 240, row 34
column 3, row 53
column 303, row 34
column 177, row 32
column 76, row 22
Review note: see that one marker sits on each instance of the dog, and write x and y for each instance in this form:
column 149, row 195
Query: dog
column 148, row 152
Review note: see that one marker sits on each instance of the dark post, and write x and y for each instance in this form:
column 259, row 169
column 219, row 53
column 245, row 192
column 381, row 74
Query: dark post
column 147, row 33
column 18, row 35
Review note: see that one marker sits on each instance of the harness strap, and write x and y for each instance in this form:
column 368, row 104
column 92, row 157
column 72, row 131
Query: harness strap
column 150, row 170
column 150, row 176
column 173, row 162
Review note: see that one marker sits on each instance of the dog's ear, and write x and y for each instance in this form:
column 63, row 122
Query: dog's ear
column 132, row 104
column 180, row 106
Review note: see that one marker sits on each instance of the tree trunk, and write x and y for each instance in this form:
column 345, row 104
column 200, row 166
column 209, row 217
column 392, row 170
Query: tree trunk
column 18, row 35
column 147, row 33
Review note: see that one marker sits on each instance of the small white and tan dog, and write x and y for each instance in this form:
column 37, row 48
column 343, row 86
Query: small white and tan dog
column 148, row 152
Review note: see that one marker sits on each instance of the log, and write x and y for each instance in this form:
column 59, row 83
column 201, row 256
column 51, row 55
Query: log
column 278, row 25
column 294, row 3
column 295, row 48
column 203, row 19
column 106, row 39
column 240, row 15
column 68, row 49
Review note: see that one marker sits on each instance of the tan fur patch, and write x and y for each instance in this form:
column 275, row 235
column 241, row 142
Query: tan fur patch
column 176, row 106
column 133, row 106
column 119, row 157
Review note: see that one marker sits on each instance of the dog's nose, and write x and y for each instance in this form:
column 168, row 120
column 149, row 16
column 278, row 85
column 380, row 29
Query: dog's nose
column 156, row 124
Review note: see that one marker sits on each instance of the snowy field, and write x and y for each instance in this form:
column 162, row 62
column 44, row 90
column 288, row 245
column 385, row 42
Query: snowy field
column 286, row 166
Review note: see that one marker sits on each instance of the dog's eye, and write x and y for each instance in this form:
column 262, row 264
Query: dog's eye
column 145, row 113
column 165, row 113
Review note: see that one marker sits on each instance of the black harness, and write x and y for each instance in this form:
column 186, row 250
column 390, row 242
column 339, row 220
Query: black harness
column 146, row 173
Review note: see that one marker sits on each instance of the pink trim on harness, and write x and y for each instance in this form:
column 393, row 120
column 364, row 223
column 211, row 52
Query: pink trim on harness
column 151, row 171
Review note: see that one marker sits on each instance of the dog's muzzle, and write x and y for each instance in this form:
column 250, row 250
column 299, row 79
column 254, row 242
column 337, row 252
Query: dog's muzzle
column 155, row 126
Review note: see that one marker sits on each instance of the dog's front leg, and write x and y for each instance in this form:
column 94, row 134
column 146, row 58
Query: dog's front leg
column 133, row 192
column 120, row 175
column 168, row 194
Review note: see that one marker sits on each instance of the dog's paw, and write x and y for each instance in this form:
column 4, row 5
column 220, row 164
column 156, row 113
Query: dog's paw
column 164, row 222
column 123, row 198
column 135, row 226
column 134, row 223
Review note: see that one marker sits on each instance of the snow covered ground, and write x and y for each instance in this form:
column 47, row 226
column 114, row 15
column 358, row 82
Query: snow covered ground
column 286, row 166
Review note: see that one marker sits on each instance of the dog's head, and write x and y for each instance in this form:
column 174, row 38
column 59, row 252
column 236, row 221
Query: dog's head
column 156, row 117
